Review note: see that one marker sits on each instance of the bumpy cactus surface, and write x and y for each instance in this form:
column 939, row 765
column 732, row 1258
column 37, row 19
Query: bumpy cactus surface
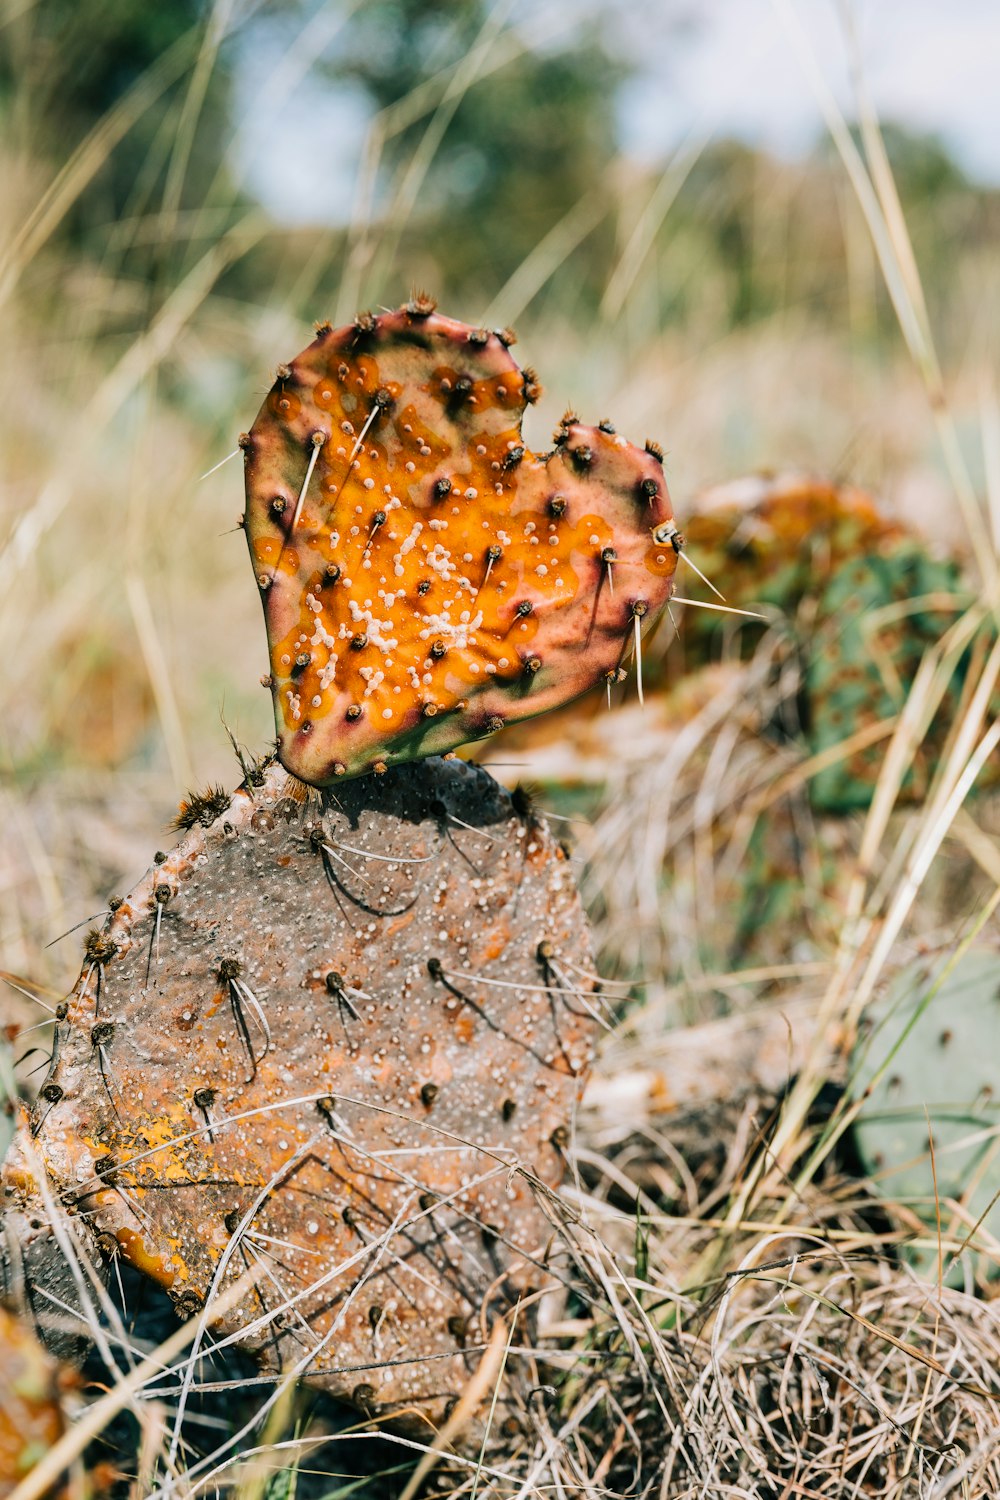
column 339, row 1038
column 425, row 578
column 927, row 1065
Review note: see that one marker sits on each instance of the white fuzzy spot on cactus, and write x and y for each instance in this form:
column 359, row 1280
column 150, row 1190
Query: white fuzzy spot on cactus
column 411, row 541
column 321, row 636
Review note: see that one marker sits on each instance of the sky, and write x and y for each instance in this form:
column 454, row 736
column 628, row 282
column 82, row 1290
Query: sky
column 930, row 64
column 705, row 68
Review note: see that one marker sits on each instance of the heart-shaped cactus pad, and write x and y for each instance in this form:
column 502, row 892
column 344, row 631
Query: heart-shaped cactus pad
column 425, row 578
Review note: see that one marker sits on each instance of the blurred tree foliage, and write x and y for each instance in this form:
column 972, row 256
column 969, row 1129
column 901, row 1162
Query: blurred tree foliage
column 519, row 151
column 493, row 143
column 520, row 146
column 67, row 67
column 750, row 237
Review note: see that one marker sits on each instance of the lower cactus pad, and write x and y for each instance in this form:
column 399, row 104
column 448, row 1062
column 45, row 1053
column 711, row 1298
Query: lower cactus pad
column 337, row 1040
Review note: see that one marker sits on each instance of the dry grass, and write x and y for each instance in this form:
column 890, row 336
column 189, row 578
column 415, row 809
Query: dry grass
column 736, row 1318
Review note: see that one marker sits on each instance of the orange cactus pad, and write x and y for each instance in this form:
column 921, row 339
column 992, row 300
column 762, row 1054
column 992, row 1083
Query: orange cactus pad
column 425, row 578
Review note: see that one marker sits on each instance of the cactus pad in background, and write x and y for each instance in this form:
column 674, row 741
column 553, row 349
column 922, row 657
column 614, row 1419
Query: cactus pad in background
column 863, row 599
column 928, row 1062
column 339, row 1039
column 425, row 578
column 775, row 540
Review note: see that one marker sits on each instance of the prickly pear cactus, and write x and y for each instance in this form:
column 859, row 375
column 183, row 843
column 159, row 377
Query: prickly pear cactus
column 31, row 1416
column 927, row 1061
column 872, row 630
column 863, row 599
column 425, row 578
column 337, row 1039
column 773, row 542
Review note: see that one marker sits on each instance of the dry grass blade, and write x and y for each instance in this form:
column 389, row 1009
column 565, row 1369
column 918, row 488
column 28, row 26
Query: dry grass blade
column 140, row 359
column 649, row 224
column 880, row 204
column 545, row 259
column 88, row 158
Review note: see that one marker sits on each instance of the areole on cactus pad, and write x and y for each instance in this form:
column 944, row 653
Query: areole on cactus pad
column 425, row 578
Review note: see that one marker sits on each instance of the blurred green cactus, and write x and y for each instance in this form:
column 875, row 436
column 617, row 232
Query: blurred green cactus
column 874, row 621
column 927, row 1066
column 862, row 600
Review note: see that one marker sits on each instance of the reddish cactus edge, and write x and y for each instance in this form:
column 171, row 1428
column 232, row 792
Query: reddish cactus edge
column 339, row 1039
column 425, row 578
